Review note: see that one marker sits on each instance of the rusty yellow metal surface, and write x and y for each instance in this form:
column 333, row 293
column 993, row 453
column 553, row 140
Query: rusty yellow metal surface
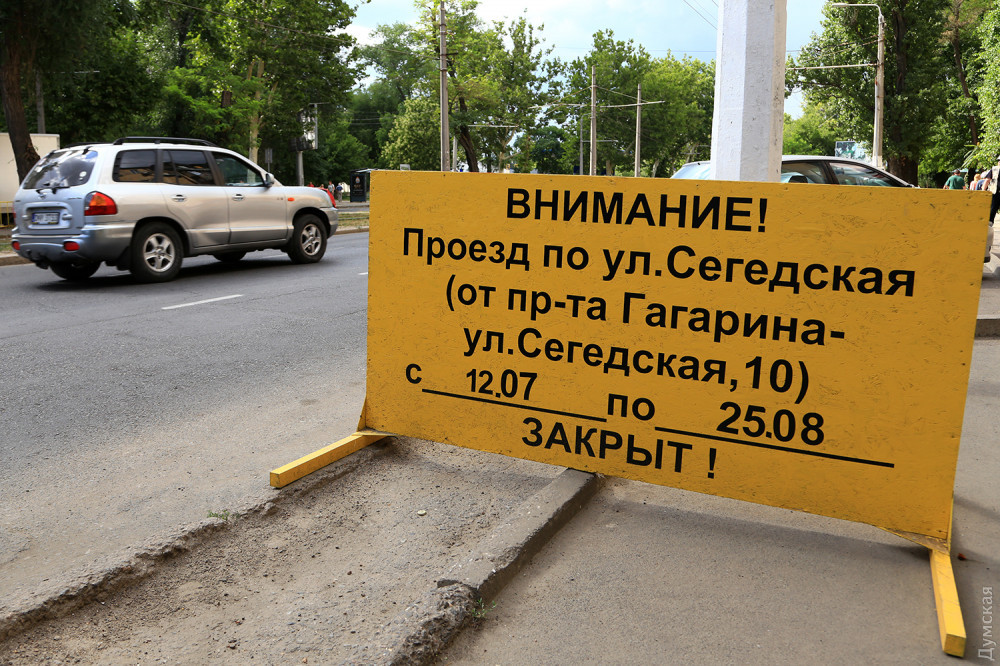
column 949, row 611
column 308, row 464
column 800, row 346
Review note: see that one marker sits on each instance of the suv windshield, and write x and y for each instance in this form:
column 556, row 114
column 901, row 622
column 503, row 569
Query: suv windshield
column 62, row 168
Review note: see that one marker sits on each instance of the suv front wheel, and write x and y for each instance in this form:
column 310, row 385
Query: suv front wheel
column 308, row 244
column 156, row 253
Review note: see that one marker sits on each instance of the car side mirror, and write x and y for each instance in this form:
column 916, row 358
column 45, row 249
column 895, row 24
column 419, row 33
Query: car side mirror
column 268, row 180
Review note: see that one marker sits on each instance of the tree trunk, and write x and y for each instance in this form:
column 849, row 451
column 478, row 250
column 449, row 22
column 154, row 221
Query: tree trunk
column 465, row 139
column 902, row 166
column 464, row 135
column 25, row 154
column 256, row 117
column 960, row 67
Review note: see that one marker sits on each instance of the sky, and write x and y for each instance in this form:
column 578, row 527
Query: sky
column 683, row 27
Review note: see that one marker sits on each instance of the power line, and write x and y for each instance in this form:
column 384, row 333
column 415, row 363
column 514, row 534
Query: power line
column 698, row 11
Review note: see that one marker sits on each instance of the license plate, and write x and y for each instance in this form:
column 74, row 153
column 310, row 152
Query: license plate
column 45, row 218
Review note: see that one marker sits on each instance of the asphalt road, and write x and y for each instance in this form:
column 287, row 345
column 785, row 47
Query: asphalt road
column 130, row 411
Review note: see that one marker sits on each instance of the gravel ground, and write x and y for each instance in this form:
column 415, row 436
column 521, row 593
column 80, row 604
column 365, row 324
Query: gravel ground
column 318, row 575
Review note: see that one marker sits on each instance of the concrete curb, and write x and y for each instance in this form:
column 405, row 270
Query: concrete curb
column 430, row 623
column 988, row 326
column 12, row 259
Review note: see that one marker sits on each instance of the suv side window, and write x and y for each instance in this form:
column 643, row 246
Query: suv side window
column 135, row 166
column 236, row 172
column 187, row 167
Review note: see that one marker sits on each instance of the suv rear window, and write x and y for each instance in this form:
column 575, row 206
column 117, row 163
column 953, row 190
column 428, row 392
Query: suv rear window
column 135, row 166
column 62, row 168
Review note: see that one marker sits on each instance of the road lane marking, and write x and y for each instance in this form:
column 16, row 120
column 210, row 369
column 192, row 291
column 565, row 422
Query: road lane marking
column 362, row 273
column 210, row 300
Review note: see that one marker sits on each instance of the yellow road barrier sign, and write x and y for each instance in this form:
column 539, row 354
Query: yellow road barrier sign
column 799, row 346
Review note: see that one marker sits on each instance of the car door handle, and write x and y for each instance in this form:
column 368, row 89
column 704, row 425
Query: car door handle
column 238, row 197
column 179, row 198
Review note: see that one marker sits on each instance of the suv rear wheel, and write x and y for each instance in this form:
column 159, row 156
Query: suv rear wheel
column 308, row 244
column 74, row 272
column 156, row 253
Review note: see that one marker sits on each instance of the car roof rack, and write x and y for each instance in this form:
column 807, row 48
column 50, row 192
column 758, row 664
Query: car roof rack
column 162, row 139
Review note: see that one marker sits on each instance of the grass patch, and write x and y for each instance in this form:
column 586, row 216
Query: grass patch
column 352, row 220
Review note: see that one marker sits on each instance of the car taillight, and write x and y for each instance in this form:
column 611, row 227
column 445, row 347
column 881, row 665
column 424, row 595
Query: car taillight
column 333, row 200
column 16, row 245
column 97, row 203
column 71, row 246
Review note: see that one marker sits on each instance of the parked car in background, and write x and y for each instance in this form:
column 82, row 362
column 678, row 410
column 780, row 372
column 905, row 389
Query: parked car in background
column 826, row 171
column 142, row 204
column 813, row 169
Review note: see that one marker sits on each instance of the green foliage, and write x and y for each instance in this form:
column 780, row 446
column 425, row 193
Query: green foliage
column 415, row 137
column 548, row 149
column 111, row 92
column 678, row 127
column 38, row 36
column 989, row 90
column 914, row 93
column 618, row 68
column 816, row 132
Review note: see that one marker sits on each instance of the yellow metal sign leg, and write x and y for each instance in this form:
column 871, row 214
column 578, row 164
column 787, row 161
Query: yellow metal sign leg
column 948, row 609
column 294, row 471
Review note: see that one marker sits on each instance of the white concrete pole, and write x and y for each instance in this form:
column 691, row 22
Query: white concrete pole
column 749, row 90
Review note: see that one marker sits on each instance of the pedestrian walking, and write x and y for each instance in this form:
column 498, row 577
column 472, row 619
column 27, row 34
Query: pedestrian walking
column 955, row 181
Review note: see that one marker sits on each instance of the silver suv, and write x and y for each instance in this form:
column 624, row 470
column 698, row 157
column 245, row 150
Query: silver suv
column 142, row 204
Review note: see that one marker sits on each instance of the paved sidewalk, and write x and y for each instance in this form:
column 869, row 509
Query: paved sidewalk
column 647, row 574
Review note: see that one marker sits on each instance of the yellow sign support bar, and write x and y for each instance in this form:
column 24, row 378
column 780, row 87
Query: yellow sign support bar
column 305, row 465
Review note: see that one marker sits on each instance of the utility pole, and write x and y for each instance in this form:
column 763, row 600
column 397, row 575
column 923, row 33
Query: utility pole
column 879, row 79
column 638, row 127
column 593, row 124
column 445, row 158
column 879, row 91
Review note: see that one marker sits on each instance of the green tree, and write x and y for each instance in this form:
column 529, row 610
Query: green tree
column 519, row 70
column 470, row 90
column 549, row 149
column 989, row 88
column 404, row 69
column 415, row 137
column 247, row 71
column 956, row 134
column 28, row 31
column 816, row 132
column 679, row 120
column 913, row 83
column 618, row 68
column 111, row 91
